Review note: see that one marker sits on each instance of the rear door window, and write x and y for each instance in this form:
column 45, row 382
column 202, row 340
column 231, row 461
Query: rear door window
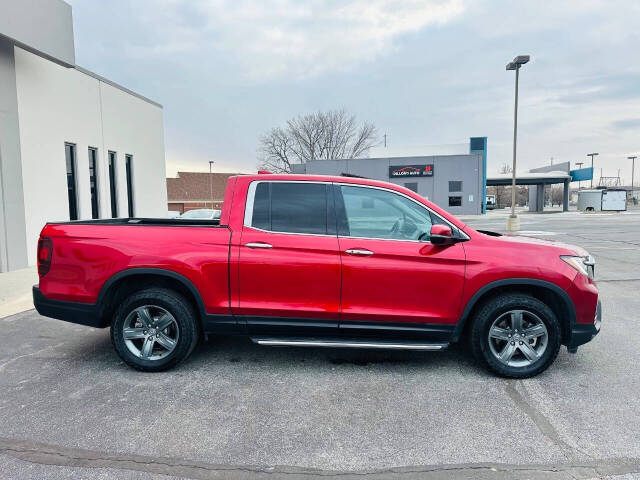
column 292, row 207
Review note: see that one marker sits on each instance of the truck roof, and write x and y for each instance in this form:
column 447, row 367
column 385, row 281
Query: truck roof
column 315, row 178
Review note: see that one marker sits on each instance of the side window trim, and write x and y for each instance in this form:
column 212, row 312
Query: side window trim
column 248, row 207
column 250, row 202
column 342, row 225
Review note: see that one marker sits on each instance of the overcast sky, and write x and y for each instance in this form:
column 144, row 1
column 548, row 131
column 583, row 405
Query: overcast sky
column 426, row 72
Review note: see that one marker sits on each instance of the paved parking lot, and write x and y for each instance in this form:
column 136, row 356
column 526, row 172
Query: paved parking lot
column 69, row 408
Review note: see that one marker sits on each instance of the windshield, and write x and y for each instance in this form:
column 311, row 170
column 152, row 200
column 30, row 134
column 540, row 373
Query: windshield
column 203, row 213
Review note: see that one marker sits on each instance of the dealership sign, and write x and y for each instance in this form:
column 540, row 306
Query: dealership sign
column 411, row 171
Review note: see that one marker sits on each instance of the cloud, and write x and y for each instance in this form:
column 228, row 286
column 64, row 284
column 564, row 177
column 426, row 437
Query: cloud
column 428, row 72
column 288, row 38
column 627, row 124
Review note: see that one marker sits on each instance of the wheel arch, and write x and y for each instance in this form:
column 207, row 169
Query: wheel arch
column 551, row 294
column 133, row 279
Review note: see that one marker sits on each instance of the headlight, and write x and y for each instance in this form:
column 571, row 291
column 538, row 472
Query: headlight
column 585, row 265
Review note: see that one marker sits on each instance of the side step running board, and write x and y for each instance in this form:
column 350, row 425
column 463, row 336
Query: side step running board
column 349, row 343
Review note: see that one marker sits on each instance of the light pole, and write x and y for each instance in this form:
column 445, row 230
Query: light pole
column 210, row 182
column 592, row 155
column 579, row 165
column 633, row 164
column 513, row 222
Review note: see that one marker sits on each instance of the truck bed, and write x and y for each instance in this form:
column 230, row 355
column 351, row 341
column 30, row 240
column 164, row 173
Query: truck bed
column 171, row 222
column 88, row 253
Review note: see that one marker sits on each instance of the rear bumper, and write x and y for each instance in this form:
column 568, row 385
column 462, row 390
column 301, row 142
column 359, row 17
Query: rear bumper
column 74, row 312
column 582, row 333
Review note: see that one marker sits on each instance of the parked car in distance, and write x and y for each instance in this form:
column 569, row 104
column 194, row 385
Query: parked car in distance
column 202, row 213
column 301, row 260
column 173, row 214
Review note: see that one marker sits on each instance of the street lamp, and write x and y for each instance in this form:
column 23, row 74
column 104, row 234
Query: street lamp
column 633, row 164
column 513, row 222
column 579, row 165
column 592, row 155
column 210, row 182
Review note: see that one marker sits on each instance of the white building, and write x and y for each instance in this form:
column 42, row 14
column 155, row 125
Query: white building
column 73, row 145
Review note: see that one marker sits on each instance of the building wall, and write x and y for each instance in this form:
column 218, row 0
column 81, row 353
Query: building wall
column 58, row 105
column 13, row 254
column 465, row 168
column 44, row 27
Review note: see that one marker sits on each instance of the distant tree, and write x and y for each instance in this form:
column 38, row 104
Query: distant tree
column 557, row 194
column 506, row 168
column 522, row 196
column 317, row 136
column 503, row 194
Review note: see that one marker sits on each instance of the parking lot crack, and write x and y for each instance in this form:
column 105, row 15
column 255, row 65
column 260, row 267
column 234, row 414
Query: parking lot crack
column 46, row 454
column 540, row 420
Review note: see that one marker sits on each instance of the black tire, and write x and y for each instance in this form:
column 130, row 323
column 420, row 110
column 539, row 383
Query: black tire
column 185, row 326
column 498, row 306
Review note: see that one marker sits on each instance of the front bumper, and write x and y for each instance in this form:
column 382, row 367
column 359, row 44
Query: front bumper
column 74, row 312
column 582, row 333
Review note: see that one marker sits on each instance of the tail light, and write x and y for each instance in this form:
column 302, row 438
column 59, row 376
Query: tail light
column 45, row 253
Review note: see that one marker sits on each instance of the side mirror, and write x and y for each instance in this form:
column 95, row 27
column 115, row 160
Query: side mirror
column 442, row 235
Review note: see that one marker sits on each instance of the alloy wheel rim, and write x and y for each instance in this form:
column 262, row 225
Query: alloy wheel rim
column 150, row 332
column 518, row 338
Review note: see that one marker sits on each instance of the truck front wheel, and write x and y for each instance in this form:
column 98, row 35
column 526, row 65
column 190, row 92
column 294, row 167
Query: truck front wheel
column 516, row 335
column 154, row 329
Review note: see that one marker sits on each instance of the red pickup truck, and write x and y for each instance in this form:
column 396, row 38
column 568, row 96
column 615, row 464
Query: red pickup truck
column 304, row 260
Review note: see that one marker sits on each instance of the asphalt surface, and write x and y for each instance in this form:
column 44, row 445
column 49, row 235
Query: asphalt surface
column 69, row 408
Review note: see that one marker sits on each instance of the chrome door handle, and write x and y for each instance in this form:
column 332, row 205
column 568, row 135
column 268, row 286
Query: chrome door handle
column 258, row 245
column 359, row 251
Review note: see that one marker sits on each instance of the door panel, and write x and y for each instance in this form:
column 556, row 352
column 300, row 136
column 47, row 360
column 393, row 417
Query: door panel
column 298, row 277
column 390, row 270
column 409, row 282
column 289, row 262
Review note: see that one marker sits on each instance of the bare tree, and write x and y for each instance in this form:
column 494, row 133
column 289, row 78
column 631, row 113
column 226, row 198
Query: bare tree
column 317, row 136
column 275, row 150
column 557, row 194
column 506, row 168
column 503, row 194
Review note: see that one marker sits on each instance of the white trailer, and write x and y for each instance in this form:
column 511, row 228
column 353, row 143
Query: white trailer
column 609, row 200
column 614, row 200
column 590, row 200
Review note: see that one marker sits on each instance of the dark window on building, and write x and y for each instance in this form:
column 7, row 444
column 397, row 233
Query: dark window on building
column 93, row 181
column 455, row 201
column 413, row 186
column 290, row 207
column 70, row 154
column 112, row 184
column 476, row 143
column 128, row 165
column 455, row 186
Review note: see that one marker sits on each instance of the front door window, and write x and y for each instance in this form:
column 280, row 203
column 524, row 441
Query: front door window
column 374, row 213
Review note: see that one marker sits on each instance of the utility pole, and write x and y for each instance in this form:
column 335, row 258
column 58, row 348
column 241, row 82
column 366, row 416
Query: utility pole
column 592, row 155
column 579, row 165
column 633, row 164
column 513, row 222
column 211, row 182
column 385, row 140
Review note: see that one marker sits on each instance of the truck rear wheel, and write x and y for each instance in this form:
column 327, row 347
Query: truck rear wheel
column 516, row 335
column 154, row 329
